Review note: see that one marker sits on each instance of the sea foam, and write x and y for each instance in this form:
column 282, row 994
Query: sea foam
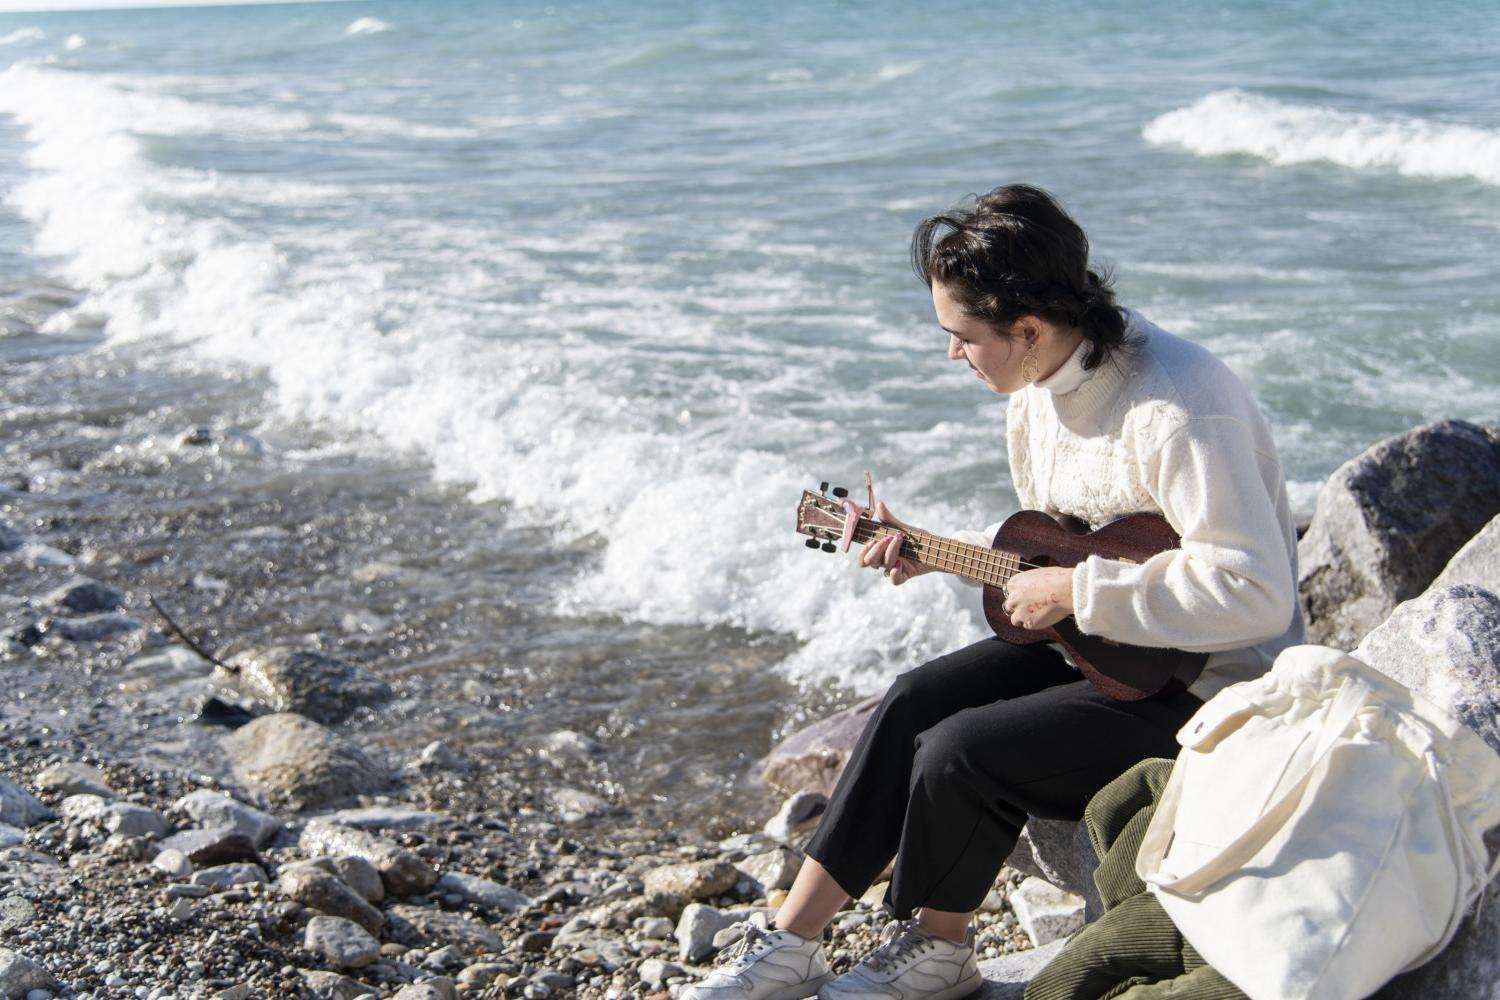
column 367, row 26
column 23, row 35
column 1235, row 121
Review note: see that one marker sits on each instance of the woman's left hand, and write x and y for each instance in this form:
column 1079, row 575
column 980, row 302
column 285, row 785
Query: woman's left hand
column 1039, row 598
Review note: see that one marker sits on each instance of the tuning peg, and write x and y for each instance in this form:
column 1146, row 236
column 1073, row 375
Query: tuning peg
column 811, row 543
column 830, row 547
column 840, row 492
column 823, row 488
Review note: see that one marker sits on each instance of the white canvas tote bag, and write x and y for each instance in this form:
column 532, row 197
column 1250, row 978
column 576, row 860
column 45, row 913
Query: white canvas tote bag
column 1322, row 829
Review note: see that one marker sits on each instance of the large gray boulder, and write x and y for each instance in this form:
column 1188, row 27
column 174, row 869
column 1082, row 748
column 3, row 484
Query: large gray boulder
column 1005, row 978
column 1059, row 851
column 1389, row 520
column 1478, row 562
column 321, row 687
column 295, row 761
column 1445, row 645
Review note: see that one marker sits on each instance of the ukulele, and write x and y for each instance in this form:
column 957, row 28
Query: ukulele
column 1026, row 540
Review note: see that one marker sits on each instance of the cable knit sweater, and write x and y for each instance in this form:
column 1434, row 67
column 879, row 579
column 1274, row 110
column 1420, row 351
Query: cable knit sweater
column 1165, row 427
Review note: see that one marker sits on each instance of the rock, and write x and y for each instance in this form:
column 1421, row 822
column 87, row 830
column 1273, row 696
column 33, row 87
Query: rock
column 384, row 818
column 124, row 818
column 692, row 879
column 1445, row 645
column 1477, row 563
column 318, row 890
column 437, row 756
column 1059, row 851
column 575, row 805
column 296, row 761
column 655, row 972
column 535, row 941
column 187, row 890
column 437, row 988
column 216, row 845
column 18, row 807
column 94, row 628
column 181, row 910
column 557, row 982
column 323, row 985
column 342, row 942
column 20, row 975
column 1046, row 913
column 10, row 836
column 240, row 991
column 797, row 814
column 224, row 876
column 699, row 923
column 15, row 912
column 85, row 596
column 1005, row 978
column 567, row 746
column 1389, row 520
column 208, row 808
column 402, row 872
column 484, row 892
column 358, row 874
column 418, row 926
column 307, row 682
column 173, row 862
column 811, row 759
column 480, row 975
column 657, row 928
column 774, row 869
column 74, row 779
column 10, row 538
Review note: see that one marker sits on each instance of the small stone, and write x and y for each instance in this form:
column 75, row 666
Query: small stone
column 15, row 912
column 554, row 981
column 224, row 876
column 240, row 991
column 212, row 846
column 181, row 910
column 534, row 941
column 359, row 875
column 74, row 779
column 568, row 746
column 774, row 869
column 313, row 887
column 699, row 923
column 480, row 975
column 421, row 925
column 658, row 928
column 692, row 879
column 10, row 836
column 536, row 991
column 796, row 813
column 18, row 807
column 342, row 942
column 39, row 995
column 173, row 862
column 214, row 809
column 320, row 687
column 85, row 596
column 115, row 980
column 655, row 972
column 574, row 805
column 437, row 756
column 294, row 760
column 95, row 628
column 472, row 889
column 184, row 890
column 324, row 985
column 402, row 872
column 1046, row 912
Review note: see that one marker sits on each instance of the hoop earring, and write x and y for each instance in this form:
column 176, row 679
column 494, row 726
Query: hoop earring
column 1031, row 368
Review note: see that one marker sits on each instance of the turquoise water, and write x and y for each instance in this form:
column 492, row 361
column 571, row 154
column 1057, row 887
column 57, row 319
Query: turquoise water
column 639, row 274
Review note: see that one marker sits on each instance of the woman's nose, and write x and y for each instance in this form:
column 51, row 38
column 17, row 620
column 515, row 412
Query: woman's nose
column 955, row 348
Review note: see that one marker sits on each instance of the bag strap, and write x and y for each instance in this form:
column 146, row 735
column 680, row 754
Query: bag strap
column 1341, row 711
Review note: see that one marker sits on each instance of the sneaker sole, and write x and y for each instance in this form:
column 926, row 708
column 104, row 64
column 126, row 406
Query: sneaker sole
column 800, row 991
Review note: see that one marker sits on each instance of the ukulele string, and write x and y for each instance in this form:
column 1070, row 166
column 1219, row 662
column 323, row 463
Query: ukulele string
column 1020, row 563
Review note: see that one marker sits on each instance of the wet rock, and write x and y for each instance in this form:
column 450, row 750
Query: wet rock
column 418, row 926
column 312, row 684
column 401, row 871
column 775, row 869
column 1477, row 563
column 483, row 891
column 15, row 912
column 1046, row 912
column 173, row 862
column 798, row 814
column 567, row 746
column 318, row 890
column 296, row 761
column 323, row 985
column 215, row 845
column 1445, row 645
column 224, row 876
column 692, row 879
column 574, row 805
column 94, row 628
column 1389, row 520
column 20, row 975
column 214, row 809
column 85, row 596
column 811, row 759
column 18, row 807
column 342, row 942
column 384, row 818
column 74, row 779
column 1005, row 978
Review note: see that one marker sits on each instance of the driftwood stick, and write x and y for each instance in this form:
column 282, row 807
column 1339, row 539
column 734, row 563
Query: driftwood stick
column 179, row 633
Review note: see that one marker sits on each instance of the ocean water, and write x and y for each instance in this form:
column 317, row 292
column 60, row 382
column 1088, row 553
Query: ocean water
column 637, row 274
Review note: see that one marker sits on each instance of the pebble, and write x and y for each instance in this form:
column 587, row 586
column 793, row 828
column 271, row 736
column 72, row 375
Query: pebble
column 173, row 862
column 15, row 912
column 181, row 911
column 343, row 942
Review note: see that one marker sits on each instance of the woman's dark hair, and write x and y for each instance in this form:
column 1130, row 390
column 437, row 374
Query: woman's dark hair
column 1018, row 253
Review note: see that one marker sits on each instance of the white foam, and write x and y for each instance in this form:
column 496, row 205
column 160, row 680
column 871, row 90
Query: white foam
column 609, row 409
column 368, row 26
column 75, row 42
column 23, row 35
column 1234, row 121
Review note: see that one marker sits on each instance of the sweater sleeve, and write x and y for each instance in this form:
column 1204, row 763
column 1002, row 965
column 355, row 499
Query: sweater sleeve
column 1230, row 585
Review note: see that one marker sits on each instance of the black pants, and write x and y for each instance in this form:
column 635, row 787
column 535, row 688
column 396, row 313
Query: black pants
column 960, row 752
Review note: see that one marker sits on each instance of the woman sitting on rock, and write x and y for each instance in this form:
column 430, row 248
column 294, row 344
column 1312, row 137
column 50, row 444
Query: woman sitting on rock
column 1108, row 415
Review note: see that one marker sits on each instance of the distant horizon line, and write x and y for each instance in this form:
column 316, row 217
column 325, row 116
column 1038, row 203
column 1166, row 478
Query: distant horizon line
column 80, row 6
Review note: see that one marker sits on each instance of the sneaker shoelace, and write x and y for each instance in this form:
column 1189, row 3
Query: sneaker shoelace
column 749, row 942
column 900, row 939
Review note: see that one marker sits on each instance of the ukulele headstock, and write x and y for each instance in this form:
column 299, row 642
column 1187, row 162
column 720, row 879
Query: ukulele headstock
column 821, row 517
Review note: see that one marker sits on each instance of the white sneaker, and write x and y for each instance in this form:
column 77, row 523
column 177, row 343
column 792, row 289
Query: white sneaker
column 910, row 964
column 764, row 965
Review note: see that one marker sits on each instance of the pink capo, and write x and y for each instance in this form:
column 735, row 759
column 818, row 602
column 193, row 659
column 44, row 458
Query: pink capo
column 855, row 512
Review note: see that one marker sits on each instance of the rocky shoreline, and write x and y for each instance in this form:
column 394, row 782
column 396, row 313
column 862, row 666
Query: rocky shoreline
column 317, row 859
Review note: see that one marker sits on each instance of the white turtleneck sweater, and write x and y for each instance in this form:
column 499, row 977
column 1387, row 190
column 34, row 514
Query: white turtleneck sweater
column 1165, row 427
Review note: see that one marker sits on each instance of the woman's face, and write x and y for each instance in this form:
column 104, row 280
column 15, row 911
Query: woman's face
column 996, row 359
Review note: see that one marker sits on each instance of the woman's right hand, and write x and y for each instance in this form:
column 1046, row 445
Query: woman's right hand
column 885, row 553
